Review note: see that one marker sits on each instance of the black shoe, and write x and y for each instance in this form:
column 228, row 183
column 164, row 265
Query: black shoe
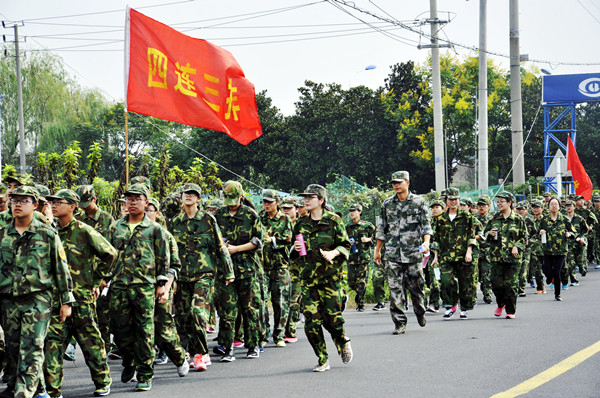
column 360, row 308
column 161, row 358
column 128, row 374
column 228, row 356
column 487, row 300
column 219, row 350
column 421, row 319
column 557, row 298
column 522, row 294
column 7, row 393
column 379, row 307
column 253, row 352
column 400, row 329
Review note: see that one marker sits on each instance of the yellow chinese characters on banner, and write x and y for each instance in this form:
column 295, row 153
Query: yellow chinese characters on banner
column 231, row 102
column 157, row 68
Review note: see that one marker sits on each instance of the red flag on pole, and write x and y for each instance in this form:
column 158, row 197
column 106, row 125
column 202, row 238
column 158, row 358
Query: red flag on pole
column 582, row 182
column 172, row 76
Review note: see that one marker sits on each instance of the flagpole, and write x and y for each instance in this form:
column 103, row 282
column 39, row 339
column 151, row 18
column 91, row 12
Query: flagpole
column 126, row 153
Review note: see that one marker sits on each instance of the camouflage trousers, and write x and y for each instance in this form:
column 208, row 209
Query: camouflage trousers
column 323, row 309
column 535, row 266
column 505, row 283
column 409, row 275
column 433, row 284
column 103, row 319
column 245, row 294
column 192, row 304
column 263, row 313
column 576, row 258
column 165, row 331
column 132, row 323
column 278, row 283
column 81, row 325
column 378, row 280
column 25, row 321
column 295, row 304
column 591, row 245
column 485, row 284
column 358, row 277
column 459, row 283
column 524, row 269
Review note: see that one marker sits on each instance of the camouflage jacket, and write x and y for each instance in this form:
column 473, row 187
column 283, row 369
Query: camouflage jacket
column 280, row 227
column 202, row 249
column 328, row 233
column 588, row 216
column 175, row 264
column 582, row 230
column 533, row 229
column 512, row 232
column 403, row 225
column 144, row 257
column 483, row 244
column 241, row 228
column 6, row 218
column 100, row 221
column 556, row 241
column 357, row 231
column 453, row 237
column 82, row 244
column 33, row 262
column 596, row 213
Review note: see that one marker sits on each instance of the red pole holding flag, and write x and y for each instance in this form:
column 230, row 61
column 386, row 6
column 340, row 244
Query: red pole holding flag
column 581, row 181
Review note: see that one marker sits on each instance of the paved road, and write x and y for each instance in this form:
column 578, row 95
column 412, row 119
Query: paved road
column 477, row 357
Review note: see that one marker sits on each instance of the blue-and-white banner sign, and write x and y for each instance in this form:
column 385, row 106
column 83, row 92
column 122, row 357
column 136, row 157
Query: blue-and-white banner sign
column 584, row 87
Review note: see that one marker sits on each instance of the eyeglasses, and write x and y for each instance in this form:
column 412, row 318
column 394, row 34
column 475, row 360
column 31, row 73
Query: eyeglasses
column 58, row 203
column 21, row 201
column 135, row 200
column 501, row 201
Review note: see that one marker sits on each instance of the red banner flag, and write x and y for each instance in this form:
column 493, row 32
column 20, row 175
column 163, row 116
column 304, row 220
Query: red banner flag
column 582, row 182
column 176, row 77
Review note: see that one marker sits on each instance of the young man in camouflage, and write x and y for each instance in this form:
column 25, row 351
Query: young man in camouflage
column 243, row 234
column 203, row 254
column 278, row 237
column 327, row 246
column 596, row 231
column 433, row 303
column 484, row 216
column 3, row 198
column 576, row 255
column 88, row 254
column 591, row 221
column 505, row 233
column 536, row 255
column 33, row 263
column 361, row 234
column 455, row 240
column 523, row 210
column 138, row 278
column 404, row 227
column 290, row 209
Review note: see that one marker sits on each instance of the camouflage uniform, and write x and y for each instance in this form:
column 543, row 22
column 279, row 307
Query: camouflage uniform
column 403, row 226
column 485, row 284
column 596, row 230
column 576, row 255
column 555, row 248
column 536, row 257
column 360, row 257
column 278, row 237
column 590, row 218
column 453, row 237
column 295, row 285
column 322, row 292
column 202, row 251
column 143, row 263
column 504, row 268
column 33, row 264
column 526, row 257
column 82, row 243
column 378, row 277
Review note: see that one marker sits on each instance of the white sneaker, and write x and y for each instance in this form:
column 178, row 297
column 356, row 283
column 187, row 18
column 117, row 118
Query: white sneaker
column 183, row 369
column 322, row 368
column 463, row 315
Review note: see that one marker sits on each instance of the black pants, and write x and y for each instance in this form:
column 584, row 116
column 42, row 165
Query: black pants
column 552, row 268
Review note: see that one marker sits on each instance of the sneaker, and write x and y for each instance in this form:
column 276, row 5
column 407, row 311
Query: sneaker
column 143, row 386
column 487, row 300
column 532, row 284
column 463, row 315
column 237, row 343
column 379, row 307
column 360, row 308
column 421, row 320
column 597, row 266
column 522, row 294
column 557, row 298
column 346, row 353
column 128, row 374
column 551, row 286
column 430, row 309
column 541, row 291
column 199, row 364
column 228, row 357
column 206, row 359
column 400, row 329
column 448, row 314
column 115, row 355
column 43, row 395
column 69, row 353
column 322, row 368
column 219, row 350
column 280, row 343
column 499, row 310
column 102, row 391
column 565, row 287
column 510, row 316
column 253, row 353
column 161, row 359
column 291, row 339
column 574, row 283
column 183, row 369
column 210, row 329
column 344, row 301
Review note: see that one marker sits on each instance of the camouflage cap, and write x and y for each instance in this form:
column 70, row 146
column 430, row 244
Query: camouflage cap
column 537, row 203
column 400, row 176
column 315, row 189
column 466, row 201
column 546, row 194
column 43, row 190
column 569, row 203
column 122, row 199
column 26, row 190
column 19, row 179
column 172, row 203
column 3, row 190
column 138, row 189
column 506, row 195
column 451, row 193
column 270, row 195
column 570, row 196
column 66, row 194
column 523, row 205
column 232, row 191
column 299, row 202
column 216, row 203
column 577, row 197
column 437, row 202
column 154, row 202
column 288, row 202
column 595, row 197
column 355, row 206
column 540, row 197
column 86, row 193
column 142, row 180
column 191, row 187
column 484, row 200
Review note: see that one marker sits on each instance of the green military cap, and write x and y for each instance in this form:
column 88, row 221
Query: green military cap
column 172, row 203
column 270, row 195
column 595, row 197
column 484, row 200
column 3, row 190
column 537, row 203
column 400, row 176
column 142, row 180
column 506, row 195
column 138, row 189
column 523, row 204
column 315, row 189
column 299, row 202
column 191, row 187
column 451, row 193
column 288, row 202
column 466, row 201
column 577, row 197
column 546, row 194
column 232, row 191
column 19, row 179
column 66, row 194
column 43, row 190
column 26, row 190
column 122, row 199
column 86, row 193
column 540, row 198
column 216, row 203
column 154, row 202
column 437, row 202
column 355, row 206
column 571, row 196
column 569, row 203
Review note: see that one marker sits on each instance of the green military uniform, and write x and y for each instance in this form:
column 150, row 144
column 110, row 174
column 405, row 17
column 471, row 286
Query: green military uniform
column 526, row 257
column 596, row 231
column 536, row 256
column 590, row 218
column 485, row 284
column 576, row 255
column 295, row 284
column 33, row 264
column 431, row 281
column 142, row 265
column 556, row 246
column 360, row 256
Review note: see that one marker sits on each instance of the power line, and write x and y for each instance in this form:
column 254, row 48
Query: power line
column 588, row 11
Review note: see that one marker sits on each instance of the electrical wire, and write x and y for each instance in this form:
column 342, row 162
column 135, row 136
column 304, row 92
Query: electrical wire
column 588, row 11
